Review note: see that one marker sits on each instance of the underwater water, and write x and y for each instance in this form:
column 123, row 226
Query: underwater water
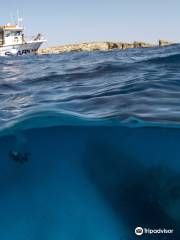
column 90, row 145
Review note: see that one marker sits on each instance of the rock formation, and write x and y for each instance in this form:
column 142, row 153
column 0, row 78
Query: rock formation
column 101, row 46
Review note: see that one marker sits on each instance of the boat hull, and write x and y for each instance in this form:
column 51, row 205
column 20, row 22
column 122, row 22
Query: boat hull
column 20, row 49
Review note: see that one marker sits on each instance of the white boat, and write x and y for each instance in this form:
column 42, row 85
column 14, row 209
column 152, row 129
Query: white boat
column 14, row 42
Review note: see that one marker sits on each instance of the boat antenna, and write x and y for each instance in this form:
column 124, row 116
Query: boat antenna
column 19, row 20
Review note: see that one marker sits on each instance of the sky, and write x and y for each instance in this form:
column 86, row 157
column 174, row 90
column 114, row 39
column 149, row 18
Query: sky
column 75, row 21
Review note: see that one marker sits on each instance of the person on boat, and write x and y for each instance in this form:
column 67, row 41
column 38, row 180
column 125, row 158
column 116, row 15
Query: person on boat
column 38, row 37
column 23, row 38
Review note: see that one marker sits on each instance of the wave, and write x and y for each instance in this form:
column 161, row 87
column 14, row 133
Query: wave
column 107, row 87
column 168, row 59
column 45, row 119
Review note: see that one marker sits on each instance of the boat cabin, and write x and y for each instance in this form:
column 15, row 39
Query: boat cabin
column 11, row 35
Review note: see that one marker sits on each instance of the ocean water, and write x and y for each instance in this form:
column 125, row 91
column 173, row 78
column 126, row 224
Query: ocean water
column 90, row 145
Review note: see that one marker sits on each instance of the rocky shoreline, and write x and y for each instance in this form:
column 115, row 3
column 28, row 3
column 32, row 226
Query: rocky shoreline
column 101, row 46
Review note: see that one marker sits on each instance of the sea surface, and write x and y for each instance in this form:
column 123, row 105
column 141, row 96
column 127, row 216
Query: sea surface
column 90, row 145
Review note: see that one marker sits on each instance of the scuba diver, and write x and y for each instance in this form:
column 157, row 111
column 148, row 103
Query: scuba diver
column 18, row 156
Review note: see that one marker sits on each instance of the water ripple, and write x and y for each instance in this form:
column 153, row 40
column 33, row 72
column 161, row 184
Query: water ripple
column 137, row 83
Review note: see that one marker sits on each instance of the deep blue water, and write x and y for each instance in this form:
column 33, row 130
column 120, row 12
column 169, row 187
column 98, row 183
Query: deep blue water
column 90, row 145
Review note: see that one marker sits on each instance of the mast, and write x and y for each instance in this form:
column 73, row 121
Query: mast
column 19, row 19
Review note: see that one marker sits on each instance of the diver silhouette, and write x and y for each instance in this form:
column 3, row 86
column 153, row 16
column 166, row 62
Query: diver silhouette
column 18, row 156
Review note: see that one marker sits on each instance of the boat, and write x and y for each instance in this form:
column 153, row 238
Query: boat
column 14, row 42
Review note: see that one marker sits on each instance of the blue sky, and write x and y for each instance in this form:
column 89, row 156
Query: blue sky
column 68, row 21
